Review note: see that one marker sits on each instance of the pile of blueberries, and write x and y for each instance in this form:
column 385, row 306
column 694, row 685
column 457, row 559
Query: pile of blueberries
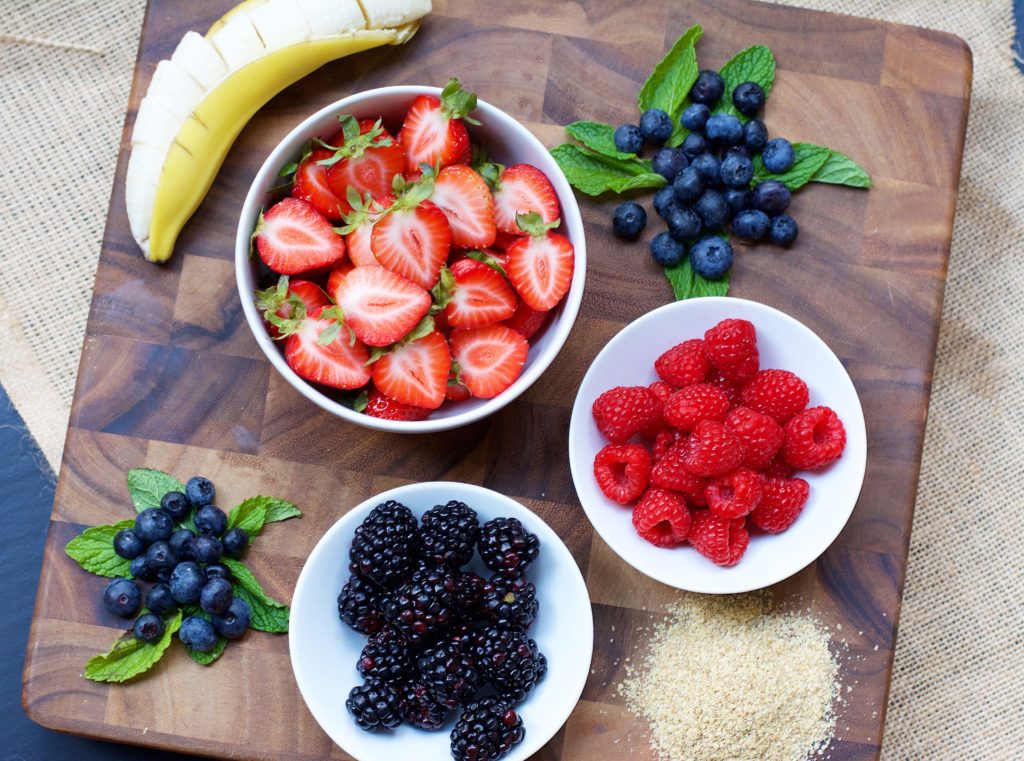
column 709, row 178
column 183, row 564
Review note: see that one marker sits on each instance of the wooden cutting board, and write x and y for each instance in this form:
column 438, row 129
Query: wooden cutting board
column 170, row 377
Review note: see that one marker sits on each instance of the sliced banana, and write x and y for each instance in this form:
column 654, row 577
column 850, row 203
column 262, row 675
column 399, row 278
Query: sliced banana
column 238, row 42
column 280, row 23
column 326, row 17
column 389, row 13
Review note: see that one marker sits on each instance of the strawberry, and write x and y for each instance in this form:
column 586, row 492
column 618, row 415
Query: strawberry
column 466, row 201
column 379, row 406
column 482, row 296
column 311, row 185
column 415, row 372
column 359, row 222
column 320, row 349
column 521, row 189
column 434, row 132
column 502, row 240
column 456, row 392
column 292, row 237
column 366, row 158
column 527, row 321
column 490, row 359
column 380, row 306
column 282, row 299
column 541, row 265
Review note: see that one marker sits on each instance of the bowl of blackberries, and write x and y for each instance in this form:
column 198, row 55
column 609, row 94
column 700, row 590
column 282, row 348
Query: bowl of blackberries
column 441, row 619
column 711, row 190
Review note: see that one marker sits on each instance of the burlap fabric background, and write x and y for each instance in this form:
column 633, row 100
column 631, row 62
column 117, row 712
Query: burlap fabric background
column 959, row 679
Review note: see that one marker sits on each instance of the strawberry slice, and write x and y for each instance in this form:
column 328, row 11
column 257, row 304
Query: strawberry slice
column 293, row 237
column 526, row 321
column 380, row 306
column 415, row 372
column 456, row 392
column 282, row 299
column 335, row 277
column 379, row 406
column 523, row 188
column 503, row 240
column 482, row 296
column 490, row 359
column 466, row 201
column 413, row 238
column 359, row 224
column 320, row 349
column 311, row 185
column 434, row 131
column 367, row 158
column 540, row 265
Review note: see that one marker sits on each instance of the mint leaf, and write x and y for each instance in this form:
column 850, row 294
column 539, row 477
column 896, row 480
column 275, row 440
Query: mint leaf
column 280, row 510
column 687, row 284
column 129, row 657
column 268, row 615
column 205, row 659
column 755, row 64
column 249, row 516
column 148, row 486
column 809, row 159
column 669, row 84
column 244, row 578
column 598, row 137
column 840, row 169
column 93, row 549
column 594, row 174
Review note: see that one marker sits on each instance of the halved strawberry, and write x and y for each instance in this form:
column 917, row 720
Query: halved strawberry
column 541, row 265
column 527, row 320
column 336, row 275
column 359, row 224
column 416, row 372
column 379, row 406
column 311, row 186
column 466, row 201
column 456, row 392
column 490, row 359
column 380, row 306
column 523, row 188
column 282, row 299
column 503, row 240
column 367, row 159
column 482, row 296
column 292, row 237
column 412, row 240
column 321, row 350
column 433, row 132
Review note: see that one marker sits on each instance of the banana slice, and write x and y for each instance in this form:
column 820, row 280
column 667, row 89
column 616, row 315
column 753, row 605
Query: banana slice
column 388, row 13
column 327, row 16
column 280, row 23
column 238, row 42
column 197, row 56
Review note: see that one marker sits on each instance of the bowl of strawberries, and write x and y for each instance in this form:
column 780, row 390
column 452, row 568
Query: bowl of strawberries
column 717, row 445
column 410, row 259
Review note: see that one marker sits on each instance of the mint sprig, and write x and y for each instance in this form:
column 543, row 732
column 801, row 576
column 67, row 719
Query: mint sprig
column 669, row 84
column 129, row 657
column 598, row 137
column 93, row 549
column 755, row 64
column 840, row 169
column 809, row 159
column 593, row 173
column 687, row 284
column 267, row 614
column 147, row 487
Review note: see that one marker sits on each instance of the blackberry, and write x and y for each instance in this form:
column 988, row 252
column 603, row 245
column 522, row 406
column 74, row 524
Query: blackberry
column 510, row 662
column 359, row 605
column 486, row 731
column 469, row 595
column 506, row 547
column 386, row 545
column 421, row 710
column 449, row 533
column 376, row 706
column 424, row 605
column 449, row 672
column 388, row 657
column 510, row 603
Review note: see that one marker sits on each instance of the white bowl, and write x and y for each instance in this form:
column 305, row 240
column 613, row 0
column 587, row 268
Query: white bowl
column 324, row 651
column 783, row 342
column 508, row 142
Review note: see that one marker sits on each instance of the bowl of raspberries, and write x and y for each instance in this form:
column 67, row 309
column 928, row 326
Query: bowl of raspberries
column 717, row 445
column 441, row 619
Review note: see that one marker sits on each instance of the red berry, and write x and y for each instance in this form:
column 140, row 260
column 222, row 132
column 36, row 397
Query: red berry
column 712, row 450
column 622, row 471
column 624, row 411
column 684, row 364
column 814, row 438
column 723, row 542
column 665, row 439
column 670, row 472
column 661, row 517
column 781, row 504
column 662, row 390
column 732, row 390
column 732, row 348
column 777, row 393
column 761, row 436
column 778, row 467
column 688, row 406
column 735, row 495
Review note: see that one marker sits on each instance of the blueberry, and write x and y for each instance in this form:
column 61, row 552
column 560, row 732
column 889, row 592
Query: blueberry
column 148, row 628
column 159, row 599
column 122, row 597
column 736, row 199
column 215, row 597
column 778, row 155
column 218, row 571
column 712, row 208
column 198, row 634
column 161, row 556
column 666, row 250
column 750, row 225
column 724, row 129
column 738, row 150
column 664, row 200
column 128, row 545
column 755, row 134
column 142, row 569
column 210, row 520
column 695, row 116
column 694, row 144
column 668, row 162
column 684, row 224
column 629, row 221
column 748, row 97
column 164, row 575
column 206, row 549
column 655, row 126
column 783, row 230
column 711, row 257
column 688, row 185
column 177, row 504
column 233, row 624
column 236, row 540
column 199, row 491
column 737, row 171
column 187, row 581
column 708, row 88
column 154, row 525
column 771, row 197
column 629, row 138
column 180, row 542
column 708, row 167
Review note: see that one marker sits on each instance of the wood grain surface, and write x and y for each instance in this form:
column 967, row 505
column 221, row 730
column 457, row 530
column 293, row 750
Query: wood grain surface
column 171, row 378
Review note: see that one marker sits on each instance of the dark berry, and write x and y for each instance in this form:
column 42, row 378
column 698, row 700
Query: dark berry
column 755, row 135
column 771, row 197
column 669, row 162
column 386, row 545
column 506, row 547
column 666, row 250
column 629, row 138
column 510, row 662
column 510, row 603
column 164, row 575
column 359, row 605
column 724, row 129
column 664, row 200
column 376, row 706
column 783, row 230
column 737, row 171
column 421, row 710
column 148, row 628
column 122, row 597
column 750, row 225
column 235, row 621
column 694, row 144
column 128, row 545
column 159, row 599
column 737, row 150
column 748, row 97
column 711, row 257
column 206, row 549
column 708, row 167
column 215, row 597
column 210, row 520
column 736, row 199
column 629, row 220
column 449, row 672
column 688, row 185
column 655, row 126
column 708, row 88
column 388, row 656
column 181, row 543
column 448, row 533
column 695, row 116
column 486, row 731
column 199, row 491
column 141, row 569
column 424, row 605
column 177, row 504
column 218, row 571
column 778, row 155
column 154, row 525
column 161, row 556
column 198, row 634
column 712, row 208
column 684, row 224
column 236, row 542
column 469, row 595
column 187, row 581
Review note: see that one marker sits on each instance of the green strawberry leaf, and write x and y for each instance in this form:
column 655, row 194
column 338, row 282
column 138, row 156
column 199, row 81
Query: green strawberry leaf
column 809, row 160
column 594, row 174
column 93, row 549
column 129, row 657
column 597, row 137
column 669, row 84
column 840, row 169
column 755, row 64
column 442, row 292
column 148, row 486
column 490, row 261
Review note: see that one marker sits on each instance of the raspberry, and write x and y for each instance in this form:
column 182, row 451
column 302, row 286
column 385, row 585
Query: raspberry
column 712, row 450
column 735, row 495
column 732, row 348
column 661, row 518
column 781, row 504
column 664, row 440
column 684, row 364
column 688, row 406
column 662, row 390
column 720, row 541
column 777, row 393
column 732, row 390
column 670, row 472
column 624, row 411
column 778, row 467
column 814, row 438
column 760, row 434
column 622, row 471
